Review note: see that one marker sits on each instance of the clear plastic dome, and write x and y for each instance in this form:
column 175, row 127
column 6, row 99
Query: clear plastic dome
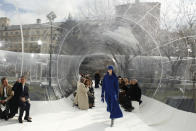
column 52, row 42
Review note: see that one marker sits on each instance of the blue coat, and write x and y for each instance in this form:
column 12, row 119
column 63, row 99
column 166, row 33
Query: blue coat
column 110, row 90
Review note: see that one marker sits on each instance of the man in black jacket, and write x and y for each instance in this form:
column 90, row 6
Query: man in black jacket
column 24, row 101
column 15, row 99
column 124, row 96
column 97, row 79
column 134, row 92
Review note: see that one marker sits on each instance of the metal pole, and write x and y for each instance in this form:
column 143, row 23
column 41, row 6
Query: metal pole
column 36, row 71
column 41, row 72
column 50, row 65
column 51, row 16
column 30, row 72
column 194, row 63
column 22, row 44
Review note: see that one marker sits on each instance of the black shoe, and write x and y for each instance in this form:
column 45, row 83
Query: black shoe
column 11, row 116
column 6, row 118
column 129, row 109
column 140, row 102
column 20, row 120
column 112, row 122
column 28, row 119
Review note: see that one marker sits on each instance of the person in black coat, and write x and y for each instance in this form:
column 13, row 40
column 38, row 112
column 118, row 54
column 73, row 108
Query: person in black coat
column 134, row 92
column 124, row 97
column 24, row 101
column 15, row 99
column 97, row 79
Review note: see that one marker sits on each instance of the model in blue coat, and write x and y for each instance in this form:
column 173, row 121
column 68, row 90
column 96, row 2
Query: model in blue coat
column 111, row 91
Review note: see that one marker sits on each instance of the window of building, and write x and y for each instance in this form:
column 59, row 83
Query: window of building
column 26, row 38
column 38, row 32
column 27, row 32
column 16, row 32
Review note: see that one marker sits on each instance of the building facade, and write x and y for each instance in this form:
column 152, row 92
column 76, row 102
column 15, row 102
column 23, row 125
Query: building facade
column 37, row 37
column 142, row 13
column 143, row 18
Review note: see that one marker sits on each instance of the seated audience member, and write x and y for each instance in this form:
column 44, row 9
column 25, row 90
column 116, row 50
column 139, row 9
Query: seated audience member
column 87, row 76
column 120, row 82
column 134, row 92
column 126, row 84
column 24, row 101
column 90, row 93
column 122, row 93
column 14, row 102
column 125, row 101
column 6, row 94
column 81, row 98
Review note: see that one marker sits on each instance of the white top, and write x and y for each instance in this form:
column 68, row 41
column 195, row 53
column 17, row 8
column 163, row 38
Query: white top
column 23, row 88
column 5, row 91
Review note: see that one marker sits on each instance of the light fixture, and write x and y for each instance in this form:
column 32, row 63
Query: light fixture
column 189, row 50
column 51, row 16
column 4, row 60
column 1, row 44
column 39, row 42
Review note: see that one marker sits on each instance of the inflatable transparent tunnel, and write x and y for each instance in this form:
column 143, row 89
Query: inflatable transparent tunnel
column 143, row 40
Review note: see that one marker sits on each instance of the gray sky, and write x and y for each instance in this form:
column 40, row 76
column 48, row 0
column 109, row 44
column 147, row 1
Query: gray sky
column 30, row 10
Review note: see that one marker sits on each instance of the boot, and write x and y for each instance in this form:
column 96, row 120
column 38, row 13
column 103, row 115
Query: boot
column 20, row 120
column 140, row 102
column 112, row 122
column 129, row 109
column 6, row 118
column 28, row 119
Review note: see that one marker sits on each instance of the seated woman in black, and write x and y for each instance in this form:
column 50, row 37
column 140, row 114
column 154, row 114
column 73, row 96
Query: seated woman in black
column 134, row 92
column 123, row 98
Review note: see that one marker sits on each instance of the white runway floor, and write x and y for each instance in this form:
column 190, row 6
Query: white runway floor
column 61, row 116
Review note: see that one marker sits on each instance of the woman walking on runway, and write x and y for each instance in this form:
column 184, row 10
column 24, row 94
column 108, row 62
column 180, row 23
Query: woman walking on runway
column 110, row 91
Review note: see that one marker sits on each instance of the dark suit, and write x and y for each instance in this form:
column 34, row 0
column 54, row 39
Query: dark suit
column 97, row 80
column 15, row 99
column 24, row 106
column 134, row 93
